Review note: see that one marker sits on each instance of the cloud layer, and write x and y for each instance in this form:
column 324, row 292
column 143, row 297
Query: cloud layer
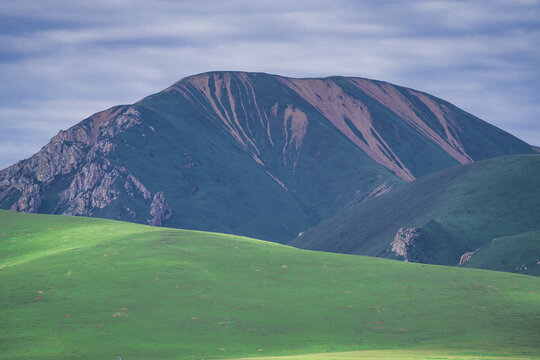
column 61, row 61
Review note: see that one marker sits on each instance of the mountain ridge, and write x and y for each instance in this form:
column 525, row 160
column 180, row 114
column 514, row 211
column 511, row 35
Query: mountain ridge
column 248, row 153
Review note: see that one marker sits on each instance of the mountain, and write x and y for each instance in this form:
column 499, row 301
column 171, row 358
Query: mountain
column 249, row 153
column 84, row 288
column 485, row 214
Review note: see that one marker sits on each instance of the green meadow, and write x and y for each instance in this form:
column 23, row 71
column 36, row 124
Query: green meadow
column 401, row 354
column 86, row 288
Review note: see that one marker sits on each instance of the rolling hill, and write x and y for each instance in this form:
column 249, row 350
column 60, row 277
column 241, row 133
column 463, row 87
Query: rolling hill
column 485, row 215
column 89, row 288
column 249, row 153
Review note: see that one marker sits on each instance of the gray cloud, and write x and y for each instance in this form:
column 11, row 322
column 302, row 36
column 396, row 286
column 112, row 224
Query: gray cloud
column 61, row 61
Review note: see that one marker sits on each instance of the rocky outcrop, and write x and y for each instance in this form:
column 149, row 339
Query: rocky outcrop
column 80, row 150
column 159, row 209
column 466, row 257
column 405, row 242
column 91, row 189
column 81, row 153
column 30, row 201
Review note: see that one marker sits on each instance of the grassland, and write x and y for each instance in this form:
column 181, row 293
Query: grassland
column 400, row 354
column 83, row 288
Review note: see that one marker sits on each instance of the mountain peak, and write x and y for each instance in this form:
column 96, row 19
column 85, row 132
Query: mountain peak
column 249, row 153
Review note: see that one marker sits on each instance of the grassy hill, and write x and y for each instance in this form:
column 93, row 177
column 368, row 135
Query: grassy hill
column 517, row 253
column 85, row 288
column 456, row 210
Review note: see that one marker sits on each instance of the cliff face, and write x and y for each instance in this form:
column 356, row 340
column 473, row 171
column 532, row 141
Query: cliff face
column 405, row 243
column 81, row 153
column 251, row 154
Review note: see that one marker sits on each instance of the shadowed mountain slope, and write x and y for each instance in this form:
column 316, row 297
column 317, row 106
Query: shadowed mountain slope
column 249, row 153
column 485, row 215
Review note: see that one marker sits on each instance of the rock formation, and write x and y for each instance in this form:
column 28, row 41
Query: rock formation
column 80, row 153
column 466, row 257
column 405, row 242
column 159, row 209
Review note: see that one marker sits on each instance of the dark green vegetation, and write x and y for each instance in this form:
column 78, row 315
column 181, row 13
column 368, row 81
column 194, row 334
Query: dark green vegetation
column 492, row 206
column 248, row 153
column 517, row 253
column 96, row 289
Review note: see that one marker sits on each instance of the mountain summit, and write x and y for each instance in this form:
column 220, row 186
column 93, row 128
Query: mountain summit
column 252, row 154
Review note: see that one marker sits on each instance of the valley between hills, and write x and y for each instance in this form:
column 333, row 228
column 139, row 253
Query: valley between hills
column 248, row 215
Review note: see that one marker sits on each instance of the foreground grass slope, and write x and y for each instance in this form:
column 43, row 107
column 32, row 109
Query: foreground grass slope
column 84, row 288
column 457, row 210
column 401, row 354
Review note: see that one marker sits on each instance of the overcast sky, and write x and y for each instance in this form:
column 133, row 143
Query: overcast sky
column 61, row 61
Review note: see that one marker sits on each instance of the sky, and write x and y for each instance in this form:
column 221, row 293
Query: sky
column 62, row 61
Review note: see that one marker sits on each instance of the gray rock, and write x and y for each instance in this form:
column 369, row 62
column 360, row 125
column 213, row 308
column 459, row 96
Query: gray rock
column 159, row 209
column 404, row 243
column 80, row 151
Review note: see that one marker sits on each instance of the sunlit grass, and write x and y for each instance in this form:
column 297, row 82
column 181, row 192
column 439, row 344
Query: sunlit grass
column 80, row 288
